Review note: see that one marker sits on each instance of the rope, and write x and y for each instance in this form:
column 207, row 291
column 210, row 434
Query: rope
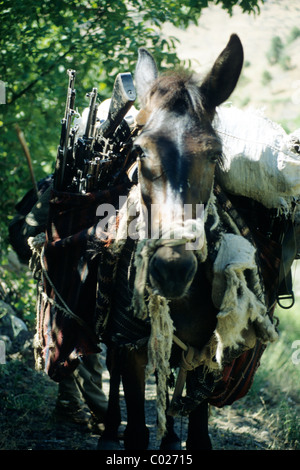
column 37, row 245
column 189, row 361
column 159, row 352
column 160, row 341
column 183, row 233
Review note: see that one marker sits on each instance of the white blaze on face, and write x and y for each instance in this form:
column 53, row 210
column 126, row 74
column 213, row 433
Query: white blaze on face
column 174, row 220
column 165, row 213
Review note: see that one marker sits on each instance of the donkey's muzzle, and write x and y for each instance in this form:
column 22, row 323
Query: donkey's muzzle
column 172, row 270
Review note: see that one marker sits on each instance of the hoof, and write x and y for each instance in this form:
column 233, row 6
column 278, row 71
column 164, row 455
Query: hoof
column 170, row 444
column 108, row 444
column 200, row 444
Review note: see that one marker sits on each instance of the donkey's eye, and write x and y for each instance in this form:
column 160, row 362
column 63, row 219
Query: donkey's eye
column 143, row 153
column 214, row 157
column 137, row 149
column 140, row 151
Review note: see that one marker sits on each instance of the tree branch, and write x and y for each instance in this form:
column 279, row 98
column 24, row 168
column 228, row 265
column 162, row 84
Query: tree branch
column 34, row 82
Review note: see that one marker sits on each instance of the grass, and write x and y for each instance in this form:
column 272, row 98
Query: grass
column 277, row 381
column 19, row 286
column 268, row 417
column 26, row 398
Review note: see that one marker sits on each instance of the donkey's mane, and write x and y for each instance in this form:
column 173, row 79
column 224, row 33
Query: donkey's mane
column 178, row 90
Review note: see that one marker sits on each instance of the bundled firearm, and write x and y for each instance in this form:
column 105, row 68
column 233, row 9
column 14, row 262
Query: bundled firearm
column 95, row 159
column 63, row 148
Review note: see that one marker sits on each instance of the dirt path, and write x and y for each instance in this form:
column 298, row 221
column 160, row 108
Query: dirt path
column 27, row 422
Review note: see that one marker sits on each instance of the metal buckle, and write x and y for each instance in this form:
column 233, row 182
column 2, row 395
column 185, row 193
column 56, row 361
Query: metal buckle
column 290, row 297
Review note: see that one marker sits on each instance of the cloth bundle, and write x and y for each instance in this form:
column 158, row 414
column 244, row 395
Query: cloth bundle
column 261, row 161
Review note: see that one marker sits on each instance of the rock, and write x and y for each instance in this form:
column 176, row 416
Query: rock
column 7, row 342
column 18, row 340
column 14, row 262
column 23, row 344
column 10, row 324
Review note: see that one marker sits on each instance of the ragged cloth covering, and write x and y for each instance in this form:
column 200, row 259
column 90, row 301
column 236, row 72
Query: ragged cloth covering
column 261, row 161
column 243, row 313
column 240, row 288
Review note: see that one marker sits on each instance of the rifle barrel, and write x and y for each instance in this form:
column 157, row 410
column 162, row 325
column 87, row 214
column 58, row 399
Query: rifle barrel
column 62, row 151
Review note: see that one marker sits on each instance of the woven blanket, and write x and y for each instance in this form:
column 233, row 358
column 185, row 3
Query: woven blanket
column 68, row 282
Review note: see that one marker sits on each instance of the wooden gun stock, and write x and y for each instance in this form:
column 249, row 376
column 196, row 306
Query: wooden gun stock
column 122, row 99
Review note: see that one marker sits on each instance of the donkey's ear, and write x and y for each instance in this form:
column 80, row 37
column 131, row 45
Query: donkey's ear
column 145, row 73
column 222, row 79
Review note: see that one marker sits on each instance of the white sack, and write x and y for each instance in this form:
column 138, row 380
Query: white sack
column 260, row 159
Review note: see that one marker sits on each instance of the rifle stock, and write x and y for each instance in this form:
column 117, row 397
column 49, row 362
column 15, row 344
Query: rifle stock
column 122, row 99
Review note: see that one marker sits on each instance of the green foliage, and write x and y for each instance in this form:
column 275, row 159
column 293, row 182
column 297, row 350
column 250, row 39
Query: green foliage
column 294, row 34
column 266, row 78
column 276, row 54
column 39, row 41
column 20, row 288
column 276, row 49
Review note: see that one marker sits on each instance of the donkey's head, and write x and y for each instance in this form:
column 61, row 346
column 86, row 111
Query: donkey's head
column 179, row 153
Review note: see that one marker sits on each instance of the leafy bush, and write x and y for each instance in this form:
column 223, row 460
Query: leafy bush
column 275, row 52
column 266, row 78
column 294, row 34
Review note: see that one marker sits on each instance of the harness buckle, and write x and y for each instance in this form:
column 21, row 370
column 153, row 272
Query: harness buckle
column 290, row 297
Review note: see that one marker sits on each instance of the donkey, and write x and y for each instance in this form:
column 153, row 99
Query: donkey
column 178, row 153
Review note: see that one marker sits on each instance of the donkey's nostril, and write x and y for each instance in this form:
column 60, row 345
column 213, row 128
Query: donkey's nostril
column 186, row 272
column 158, row 271
column 171, row 274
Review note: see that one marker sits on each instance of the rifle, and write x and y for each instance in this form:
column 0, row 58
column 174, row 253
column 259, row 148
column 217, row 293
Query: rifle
column 96, row 150
column 122, row 99
column 63, row 148
column 80, row 164
column 84, row 146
